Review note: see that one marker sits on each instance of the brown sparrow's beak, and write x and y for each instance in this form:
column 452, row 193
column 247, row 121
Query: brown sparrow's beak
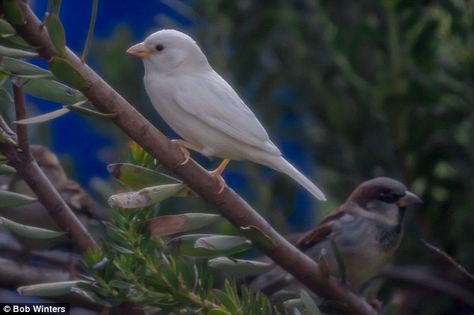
column 139, row 50
column 408, row 200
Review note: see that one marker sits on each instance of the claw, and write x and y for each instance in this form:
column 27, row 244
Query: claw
column 186, row 155
column 217, row 175
column 221, row 182
column 183, row 147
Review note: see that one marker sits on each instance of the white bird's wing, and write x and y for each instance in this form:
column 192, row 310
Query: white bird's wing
column 209, row 98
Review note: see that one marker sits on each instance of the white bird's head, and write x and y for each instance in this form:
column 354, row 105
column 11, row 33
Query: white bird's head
column 170, row 51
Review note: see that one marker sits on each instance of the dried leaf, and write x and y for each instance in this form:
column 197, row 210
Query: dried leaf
column 144, row 197
column 172, row 224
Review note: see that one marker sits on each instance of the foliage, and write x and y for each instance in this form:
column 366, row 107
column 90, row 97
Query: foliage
column 370, row 88
column 378, row 88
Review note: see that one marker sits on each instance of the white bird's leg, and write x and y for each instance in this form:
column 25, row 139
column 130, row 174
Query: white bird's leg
column 184, row 146
column 217, row 174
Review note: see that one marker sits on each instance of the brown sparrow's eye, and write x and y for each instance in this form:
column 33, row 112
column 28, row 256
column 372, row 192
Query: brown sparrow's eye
column 159, row 47
column 389, row 196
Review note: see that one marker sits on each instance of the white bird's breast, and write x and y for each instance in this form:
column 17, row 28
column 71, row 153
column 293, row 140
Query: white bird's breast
column 187, row 103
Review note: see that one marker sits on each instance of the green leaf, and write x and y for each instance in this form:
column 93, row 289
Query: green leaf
column 166, row 225
column 16, row 42
column 49, row 289
column 119, row 284
column 6, row 28
column 22, row 68
column 5, row 98
column 18, row 53
column 199, row 245
column 138, row 177
column 56, row 33
column 84, row 110
column 144, row 197
column 65, row 72
column 91, row 296
column 309, row 303
column 55, row 6
column 225, row 300
column 218, row 311
column 258, row 237
column 28, row 231
column 12, row 199
column 13, row 12
column 239, row 267
column 44, row 117
column 52, row 90
column 293, row 305
column 6, row 170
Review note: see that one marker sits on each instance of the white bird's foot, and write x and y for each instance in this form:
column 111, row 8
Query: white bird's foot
column 184, row 146
column 217, row 174
column 221, row 182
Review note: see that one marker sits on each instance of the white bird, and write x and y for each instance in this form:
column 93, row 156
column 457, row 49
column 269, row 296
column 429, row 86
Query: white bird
column 203, row 109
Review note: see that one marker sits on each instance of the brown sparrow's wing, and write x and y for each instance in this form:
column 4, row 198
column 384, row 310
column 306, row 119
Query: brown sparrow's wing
column 321, row 231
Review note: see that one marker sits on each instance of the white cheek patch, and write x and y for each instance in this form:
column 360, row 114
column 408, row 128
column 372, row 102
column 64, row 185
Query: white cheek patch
column 172, row 58
column 383, row 212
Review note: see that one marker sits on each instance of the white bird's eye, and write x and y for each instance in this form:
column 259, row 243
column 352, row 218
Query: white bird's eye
column 159, row 47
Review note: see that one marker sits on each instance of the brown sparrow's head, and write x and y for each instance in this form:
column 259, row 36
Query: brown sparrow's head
column 385, row 197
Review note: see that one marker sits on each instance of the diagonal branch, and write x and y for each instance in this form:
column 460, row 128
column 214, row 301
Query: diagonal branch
column 20, row 111
column 231, row 205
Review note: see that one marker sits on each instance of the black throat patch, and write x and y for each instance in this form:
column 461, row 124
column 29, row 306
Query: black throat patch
column 388, row 236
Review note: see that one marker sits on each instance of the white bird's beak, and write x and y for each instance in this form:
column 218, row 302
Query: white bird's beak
column 139, row 50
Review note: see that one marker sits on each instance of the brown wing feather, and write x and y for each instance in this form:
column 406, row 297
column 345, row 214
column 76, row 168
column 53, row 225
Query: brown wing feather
column 322, row 230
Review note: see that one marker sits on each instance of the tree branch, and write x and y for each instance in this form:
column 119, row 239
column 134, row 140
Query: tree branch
column 421, row 278
column 231, row 205
column 20, row 112
column 21, row 159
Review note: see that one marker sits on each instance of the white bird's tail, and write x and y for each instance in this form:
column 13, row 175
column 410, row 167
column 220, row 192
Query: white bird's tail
column 284, row 166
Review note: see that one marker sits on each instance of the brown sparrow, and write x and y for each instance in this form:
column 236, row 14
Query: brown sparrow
column 85, row 207
column 366, row 229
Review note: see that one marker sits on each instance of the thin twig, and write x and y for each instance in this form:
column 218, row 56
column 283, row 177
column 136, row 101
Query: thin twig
column 90, row 32
column 450, row 259
column 20, row 113
column 420, row 277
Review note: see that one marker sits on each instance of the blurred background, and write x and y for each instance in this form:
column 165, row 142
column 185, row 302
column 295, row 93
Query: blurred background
column 349, row 90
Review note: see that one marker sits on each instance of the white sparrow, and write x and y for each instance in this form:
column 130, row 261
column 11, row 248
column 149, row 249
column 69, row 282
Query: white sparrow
column 203, row 109
column 367, row 230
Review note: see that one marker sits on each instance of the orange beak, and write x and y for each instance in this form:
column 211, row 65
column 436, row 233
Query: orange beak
column 139, row 50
